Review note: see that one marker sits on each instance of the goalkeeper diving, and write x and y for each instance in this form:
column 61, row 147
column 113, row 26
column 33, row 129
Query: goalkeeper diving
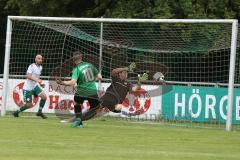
column 117, row 92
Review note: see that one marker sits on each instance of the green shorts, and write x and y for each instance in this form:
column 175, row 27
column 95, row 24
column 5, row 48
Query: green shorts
column 28, row 94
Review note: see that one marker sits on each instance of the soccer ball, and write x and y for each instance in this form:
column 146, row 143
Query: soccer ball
column 158, row 77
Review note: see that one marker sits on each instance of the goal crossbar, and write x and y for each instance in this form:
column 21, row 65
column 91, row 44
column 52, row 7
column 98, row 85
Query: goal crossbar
column 120, row 20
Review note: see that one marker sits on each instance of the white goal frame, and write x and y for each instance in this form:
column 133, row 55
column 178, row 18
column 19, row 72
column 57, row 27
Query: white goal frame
column 234, row 23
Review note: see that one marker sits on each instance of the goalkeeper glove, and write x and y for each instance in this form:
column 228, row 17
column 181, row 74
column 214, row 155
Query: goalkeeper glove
column 131, row 67
column 142, row 77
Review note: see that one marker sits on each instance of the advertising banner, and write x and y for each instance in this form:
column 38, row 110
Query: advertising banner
column 60, row 99
column 199, row 104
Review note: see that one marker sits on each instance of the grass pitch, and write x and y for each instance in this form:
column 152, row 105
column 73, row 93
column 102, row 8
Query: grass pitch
column 109, row 139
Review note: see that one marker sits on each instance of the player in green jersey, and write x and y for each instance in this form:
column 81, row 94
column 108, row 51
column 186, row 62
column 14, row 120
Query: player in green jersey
column 84, row 74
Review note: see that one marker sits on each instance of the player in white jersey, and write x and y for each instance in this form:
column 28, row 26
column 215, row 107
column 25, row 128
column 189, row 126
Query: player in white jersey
column 31, row 87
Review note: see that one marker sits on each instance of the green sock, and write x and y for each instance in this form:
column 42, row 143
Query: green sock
column 41, row 104
column 23, row 108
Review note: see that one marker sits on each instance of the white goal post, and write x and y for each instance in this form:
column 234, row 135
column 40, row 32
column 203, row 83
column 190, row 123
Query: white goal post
column 92, row 40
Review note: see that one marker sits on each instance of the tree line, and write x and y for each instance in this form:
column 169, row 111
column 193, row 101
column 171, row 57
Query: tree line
column 172, row 9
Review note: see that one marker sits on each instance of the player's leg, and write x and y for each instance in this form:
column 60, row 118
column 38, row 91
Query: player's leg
column 99, row 107
column 90, row 114
column 94, row 105
column 100, row 110
column 27, row 97
column 93, row 101
column 78, row 101
column 107, row 103
column 119, row 108
column 39, row 92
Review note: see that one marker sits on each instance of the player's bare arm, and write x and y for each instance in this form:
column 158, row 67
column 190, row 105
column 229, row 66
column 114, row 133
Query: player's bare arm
column 38, row 80
column 30, row 77
column 71, row 82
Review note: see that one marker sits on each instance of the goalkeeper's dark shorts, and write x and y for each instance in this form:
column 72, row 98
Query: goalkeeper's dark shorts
column 92, row 100
column 109, row 101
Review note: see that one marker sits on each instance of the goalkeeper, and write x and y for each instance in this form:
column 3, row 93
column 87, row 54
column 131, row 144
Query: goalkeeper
column 31, row 87
column 117, row 91
column 84, row 75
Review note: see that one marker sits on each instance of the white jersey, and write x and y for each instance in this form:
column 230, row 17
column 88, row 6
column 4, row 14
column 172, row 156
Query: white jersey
column 35, row 71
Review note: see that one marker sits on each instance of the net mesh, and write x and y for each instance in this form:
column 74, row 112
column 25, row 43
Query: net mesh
column 187, row 52
column 182, row 52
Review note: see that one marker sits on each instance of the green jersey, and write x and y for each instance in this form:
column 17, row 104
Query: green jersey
column 85, row 74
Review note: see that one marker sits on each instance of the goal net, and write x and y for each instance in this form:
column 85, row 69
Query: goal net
column 194, row 56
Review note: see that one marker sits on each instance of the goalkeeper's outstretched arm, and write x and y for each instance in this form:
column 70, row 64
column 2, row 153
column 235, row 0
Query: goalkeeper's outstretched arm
column 141, row 78
column 130, row 68
column 136, row 88
column 116, row 71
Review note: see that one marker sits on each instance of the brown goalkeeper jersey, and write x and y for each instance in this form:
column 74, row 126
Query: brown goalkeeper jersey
column 115, row 93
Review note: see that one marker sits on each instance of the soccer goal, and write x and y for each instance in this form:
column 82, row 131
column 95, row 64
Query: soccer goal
column 198, row 58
